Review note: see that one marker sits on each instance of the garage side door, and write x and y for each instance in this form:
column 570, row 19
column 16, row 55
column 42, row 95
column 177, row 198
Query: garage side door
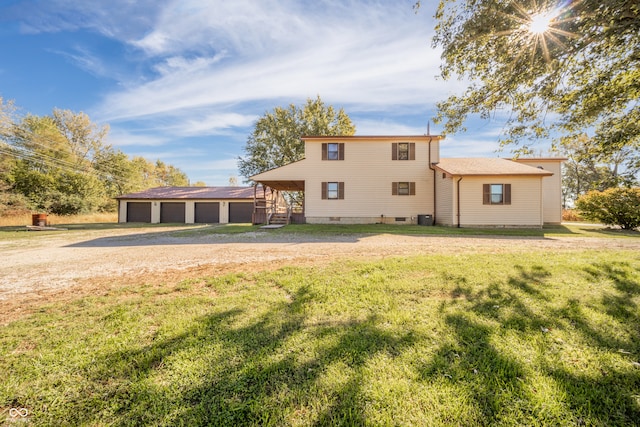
column 139, row 212
column 240, row 212
column 207, row 212
column 172, row 212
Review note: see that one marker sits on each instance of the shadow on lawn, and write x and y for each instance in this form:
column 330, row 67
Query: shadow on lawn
column 249, row 376
column 495, row 380
column 258, row 372
column 305, row 233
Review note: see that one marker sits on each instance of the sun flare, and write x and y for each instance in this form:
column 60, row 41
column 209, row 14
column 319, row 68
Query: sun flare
column 541, row 23
column 540, row 28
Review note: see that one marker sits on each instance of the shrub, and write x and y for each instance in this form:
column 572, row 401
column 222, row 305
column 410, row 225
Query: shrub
column 615, row 206
column 13, row 204
column 571, row 215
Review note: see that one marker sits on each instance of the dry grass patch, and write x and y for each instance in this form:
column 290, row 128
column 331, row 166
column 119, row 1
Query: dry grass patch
column 53, row 220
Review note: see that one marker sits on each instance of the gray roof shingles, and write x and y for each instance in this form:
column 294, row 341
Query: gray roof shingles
column 487, row 166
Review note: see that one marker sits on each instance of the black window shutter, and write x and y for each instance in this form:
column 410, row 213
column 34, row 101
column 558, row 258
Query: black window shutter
column 486, row 194
column 412, row 188
column 324, row 189
column 324, row 151
column 412, row 151
column 394, row 151
column 394, row 188
column 341, row 151
column 341, row 190
column 507, row 194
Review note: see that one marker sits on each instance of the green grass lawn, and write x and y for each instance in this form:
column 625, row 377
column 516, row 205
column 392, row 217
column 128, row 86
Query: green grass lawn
column 568, row 230
column 194, row 230
column 544, row 338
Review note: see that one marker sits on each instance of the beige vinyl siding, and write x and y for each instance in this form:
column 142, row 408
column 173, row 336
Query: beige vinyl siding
column 368, row 172
column 445, row 200
column 293, row 171
column 551, row 188
column 525, row 208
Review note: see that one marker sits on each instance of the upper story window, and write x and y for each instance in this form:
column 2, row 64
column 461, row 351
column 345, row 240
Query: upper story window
column 403, row 151
column 496, row 194
column 333, row 151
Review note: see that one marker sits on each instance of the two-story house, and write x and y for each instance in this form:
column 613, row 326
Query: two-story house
column 402, row 179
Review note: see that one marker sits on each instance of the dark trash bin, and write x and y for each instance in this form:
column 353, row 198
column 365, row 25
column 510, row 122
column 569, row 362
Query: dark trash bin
column 425, row 219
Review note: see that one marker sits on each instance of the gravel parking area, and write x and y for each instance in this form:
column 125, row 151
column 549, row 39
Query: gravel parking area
column 77, row 262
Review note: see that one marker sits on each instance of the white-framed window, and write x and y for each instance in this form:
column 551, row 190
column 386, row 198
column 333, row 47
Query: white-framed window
column 332, row 190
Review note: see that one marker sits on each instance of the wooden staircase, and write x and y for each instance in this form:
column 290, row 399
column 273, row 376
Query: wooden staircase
column 279, row 219
column 270, row 208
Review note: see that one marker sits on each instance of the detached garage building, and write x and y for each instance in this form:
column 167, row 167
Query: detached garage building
column 190, row 205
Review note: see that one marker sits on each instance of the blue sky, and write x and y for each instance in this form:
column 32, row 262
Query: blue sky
column 184, row 80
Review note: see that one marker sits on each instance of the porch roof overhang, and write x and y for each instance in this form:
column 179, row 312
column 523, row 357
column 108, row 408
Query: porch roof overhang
column 283, row 185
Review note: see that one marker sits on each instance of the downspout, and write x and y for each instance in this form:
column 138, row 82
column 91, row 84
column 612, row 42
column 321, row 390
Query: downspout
column 255, row 203
column 541, row 198
column 434, row 181
column 458, row 196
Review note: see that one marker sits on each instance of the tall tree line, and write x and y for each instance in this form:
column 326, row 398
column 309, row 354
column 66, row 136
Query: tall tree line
column 61, row 164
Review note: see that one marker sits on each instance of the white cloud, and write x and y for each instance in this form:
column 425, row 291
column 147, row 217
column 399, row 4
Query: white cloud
column 179, row 63
column 119, row 137
column 86, row 60
column 223, row 164
column 118, row 19
column 193, row 68
column 243, row 26
column 210, row 55
column 213, row 124
column 469, row 146
column 388, row 127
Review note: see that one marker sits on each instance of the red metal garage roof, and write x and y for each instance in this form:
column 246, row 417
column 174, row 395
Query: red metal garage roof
column 192, row 193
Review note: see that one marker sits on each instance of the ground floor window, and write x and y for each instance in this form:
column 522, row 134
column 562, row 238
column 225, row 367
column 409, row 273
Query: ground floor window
column 496, row 194
column 403, row 188
column 333, row 190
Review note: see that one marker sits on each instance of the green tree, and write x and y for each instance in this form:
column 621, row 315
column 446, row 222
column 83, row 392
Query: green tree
column 7, row 114
column 168, row 175
column 561, row 68
column 615, row 206
column 587, row 170
column 275, row 140
column 117, row 172
column 84, row 138
column 46, row 171
column 62, row 164
column 39, row 141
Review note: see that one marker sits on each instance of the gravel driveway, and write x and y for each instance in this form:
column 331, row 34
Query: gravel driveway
column 51, row 262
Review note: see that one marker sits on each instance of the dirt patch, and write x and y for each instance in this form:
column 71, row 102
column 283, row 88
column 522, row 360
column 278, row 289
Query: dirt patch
column 66, row 266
